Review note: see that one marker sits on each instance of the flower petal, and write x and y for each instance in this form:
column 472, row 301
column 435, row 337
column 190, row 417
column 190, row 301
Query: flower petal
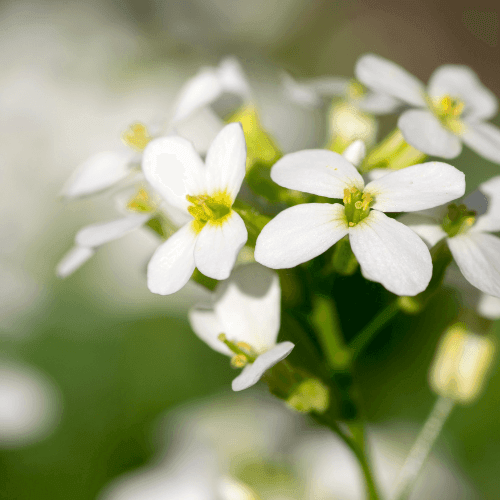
column 478, row 257
column 484, row 139
column 226, row 160
column 422, row 130
column 418, row 187
column 232, row 78
column 355, row 153
column 428, row 229
column 99, row 172
column 74, row 259
column 377, row 103
column 252, row 373
column 206, row 325
column 489, row 306
column 98, row 234
column 218, row 245
column 300, row 92
column 461, row 82
column 173, row 167
column 173, row 262
column 486, row 202
column 328, row 85
column 204, row 88
column 299, row 234
column 387, row 77
column 248, row 306
column 391, row 254
column 316, row 171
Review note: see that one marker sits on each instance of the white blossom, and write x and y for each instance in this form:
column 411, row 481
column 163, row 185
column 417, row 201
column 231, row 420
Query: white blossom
column 205, row 192
column 387, row 251
column 208, row 85
column 467, row 229
column 312, row 92
column 451, row 110
column 246, row 310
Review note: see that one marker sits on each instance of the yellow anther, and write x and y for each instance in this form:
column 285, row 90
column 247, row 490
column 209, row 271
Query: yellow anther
column 244, row 345
column 353, row 190
column 351, row 224
column 347, row 196
column 141, row 202
column 239, row 361
column 136, row 136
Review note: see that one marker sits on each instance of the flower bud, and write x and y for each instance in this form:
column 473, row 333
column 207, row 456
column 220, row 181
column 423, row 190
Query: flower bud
column 461, row 364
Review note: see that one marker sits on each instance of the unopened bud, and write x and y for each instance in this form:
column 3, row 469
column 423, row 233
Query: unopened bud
column 461, row 364
column 310, row 395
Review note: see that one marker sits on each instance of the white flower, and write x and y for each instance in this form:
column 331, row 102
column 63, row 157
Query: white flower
column 467, row 229
column 91, row 237
column 311, row 92
column 451, row 110
column 387, row 251
column 246, row 311
column 208, row 85
column 107, row 168
column 215, row 234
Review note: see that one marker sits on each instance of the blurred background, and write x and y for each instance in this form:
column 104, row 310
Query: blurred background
column 96, row 359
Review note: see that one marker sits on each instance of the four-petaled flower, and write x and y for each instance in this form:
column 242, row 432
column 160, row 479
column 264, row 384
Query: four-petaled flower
column 387, row 251
column 467, row 229
column 243, row 321
column 213, row 237
column 452, row 109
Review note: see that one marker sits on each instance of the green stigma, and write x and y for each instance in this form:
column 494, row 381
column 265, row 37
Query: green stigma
column 357, row 205
column 458, row 220
column 205, row 208
column 449, row 110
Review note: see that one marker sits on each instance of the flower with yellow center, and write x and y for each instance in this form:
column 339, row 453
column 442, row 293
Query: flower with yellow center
column 205, row 192
column 107, row 168
column 467, row 228
column 388, row 252
column 452, row 109
column 243, row 321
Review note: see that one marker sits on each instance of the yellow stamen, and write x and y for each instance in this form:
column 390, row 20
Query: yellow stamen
column 141, row 202
column 136, row 136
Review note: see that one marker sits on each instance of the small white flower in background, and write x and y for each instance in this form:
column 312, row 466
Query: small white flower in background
column 136, row 210
column 208, row 85
column 205, row 192
column 388, row 252
column 313, row 91
column 30, row 405
column 451, row 110
column 467, row 229
column 106, row 169
column 243, row 322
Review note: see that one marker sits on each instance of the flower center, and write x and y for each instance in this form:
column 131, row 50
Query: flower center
column 357, row 205
column 449, row 110
column 205, row 208
column 136, row 136
column 458, row 220
column 243, row 353
column 355, row 90
column 141, row 202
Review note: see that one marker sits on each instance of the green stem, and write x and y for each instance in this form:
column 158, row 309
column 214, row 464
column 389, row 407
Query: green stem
column 375, row 325
column 371, row 487
column 422, row 447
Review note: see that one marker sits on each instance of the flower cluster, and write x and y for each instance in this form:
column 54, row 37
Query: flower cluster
column 318, row 214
